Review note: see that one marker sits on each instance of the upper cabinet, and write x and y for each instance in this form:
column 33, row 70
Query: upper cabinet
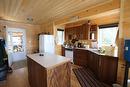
column 85, row 30
column 93, row 32
column 81, row 32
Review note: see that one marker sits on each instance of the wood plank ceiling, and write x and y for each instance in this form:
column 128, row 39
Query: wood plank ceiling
column 42, row 10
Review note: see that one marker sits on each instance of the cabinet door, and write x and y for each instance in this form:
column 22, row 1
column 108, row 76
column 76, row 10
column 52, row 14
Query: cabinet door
column 93, row 30
column 63, row 51
column 93, row 62
column 80, row 57
column 66, row 33
column 85, row 29
column 77, row 29
column 108, row 69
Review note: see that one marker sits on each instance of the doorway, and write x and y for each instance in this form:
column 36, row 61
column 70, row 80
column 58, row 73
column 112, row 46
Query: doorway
column 16, row 44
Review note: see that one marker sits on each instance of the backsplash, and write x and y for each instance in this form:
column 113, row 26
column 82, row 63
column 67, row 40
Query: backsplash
column 83, row 43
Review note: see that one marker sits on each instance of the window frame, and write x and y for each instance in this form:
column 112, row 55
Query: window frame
column 108, row 26
column 62, row 30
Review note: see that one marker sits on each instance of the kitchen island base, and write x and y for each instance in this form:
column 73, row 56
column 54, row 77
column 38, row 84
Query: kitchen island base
column 57, row 76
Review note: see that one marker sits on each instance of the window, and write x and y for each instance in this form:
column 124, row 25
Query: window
column 107, row 35
column 60, row 36
column 17, row 41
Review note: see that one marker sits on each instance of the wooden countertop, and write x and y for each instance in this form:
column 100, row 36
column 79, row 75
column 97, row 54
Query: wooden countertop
column 49, row 60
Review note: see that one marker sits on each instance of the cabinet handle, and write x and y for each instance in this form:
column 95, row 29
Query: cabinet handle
column 122, row 67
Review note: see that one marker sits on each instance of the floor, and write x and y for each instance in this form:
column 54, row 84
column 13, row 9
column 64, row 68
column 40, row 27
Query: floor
column 19, row 64
column 19, row 78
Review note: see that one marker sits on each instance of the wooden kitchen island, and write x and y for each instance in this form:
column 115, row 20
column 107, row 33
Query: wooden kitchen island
column 48, row 71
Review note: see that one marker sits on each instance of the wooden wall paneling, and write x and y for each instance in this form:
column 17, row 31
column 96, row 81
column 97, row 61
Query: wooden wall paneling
column 121, row 71
column 107, row 19
column 42, row 11
column 48, row 28
column 123, row 34
column 58, row 49
column 91, row 12
column 32, row 32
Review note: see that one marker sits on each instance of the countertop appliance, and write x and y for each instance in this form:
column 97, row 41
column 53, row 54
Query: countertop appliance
column 46, row 44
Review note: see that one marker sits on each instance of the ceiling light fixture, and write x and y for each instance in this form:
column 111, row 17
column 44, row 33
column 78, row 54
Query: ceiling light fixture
column 30, row 19
column 74, row 18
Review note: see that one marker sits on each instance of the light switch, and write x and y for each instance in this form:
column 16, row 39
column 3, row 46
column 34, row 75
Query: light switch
column 126, row 48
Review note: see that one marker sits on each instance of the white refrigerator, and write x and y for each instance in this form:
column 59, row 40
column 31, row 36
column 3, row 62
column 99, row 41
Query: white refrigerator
column 46, row 44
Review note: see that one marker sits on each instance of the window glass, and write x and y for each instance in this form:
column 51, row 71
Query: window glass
column 17, row 41
column 60, row 36
column 107, row 36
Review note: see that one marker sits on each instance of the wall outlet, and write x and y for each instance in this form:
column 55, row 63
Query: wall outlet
column 126, row 48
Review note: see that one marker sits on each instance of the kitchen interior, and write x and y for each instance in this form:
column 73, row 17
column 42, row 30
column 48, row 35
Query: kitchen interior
column 79, row 43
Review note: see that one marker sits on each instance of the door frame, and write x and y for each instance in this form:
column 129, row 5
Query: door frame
column 10, row 54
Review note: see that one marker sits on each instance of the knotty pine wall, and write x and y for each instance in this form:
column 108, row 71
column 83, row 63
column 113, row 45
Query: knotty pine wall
column 124, row 33
column 52, row 29
column 48, row 27
column 91, row 12
column 32, row 32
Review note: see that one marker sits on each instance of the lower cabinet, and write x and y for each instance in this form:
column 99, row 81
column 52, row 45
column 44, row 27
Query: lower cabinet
column 108, row 69
column 80, row 57
column 93, row 62
column 104, row 67
column 63, row 51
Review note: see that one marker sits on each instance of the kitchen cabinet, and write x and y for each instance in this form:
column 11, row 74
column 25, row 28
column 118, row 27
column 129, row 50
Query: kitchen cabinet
column 103, row 66
column 93, row 32
column 81, row 32
column 93, row 62
column 108, row 69
column 80, row 57
column 63, row 51
column 49, row 70
column 85, row 30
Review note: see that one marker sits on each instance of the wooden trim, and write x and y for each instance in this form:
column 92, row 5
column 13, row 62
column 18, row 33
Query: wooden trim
column 108, row 25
